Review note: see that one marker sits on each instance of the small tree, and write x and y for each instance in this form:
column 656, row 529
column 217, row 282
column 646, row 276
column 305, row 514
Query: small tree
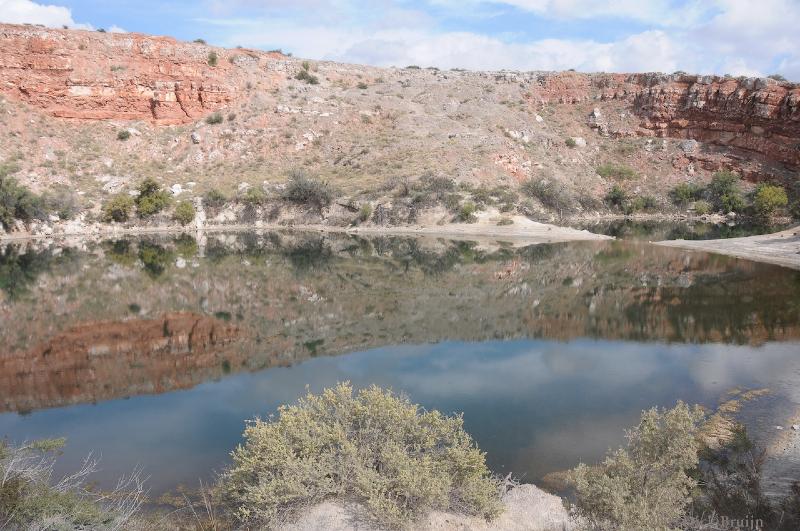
column 152, row 199
column 645, row 485
column 184, row 212
column 213, row 59
column 616, row 197
column 118, row 208
column 768, row 199
column 685, row 193
column 725, row 193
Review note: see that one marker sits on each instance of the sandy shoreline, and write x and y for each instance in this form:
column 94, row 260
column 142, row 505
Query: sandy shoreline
column 780, row 248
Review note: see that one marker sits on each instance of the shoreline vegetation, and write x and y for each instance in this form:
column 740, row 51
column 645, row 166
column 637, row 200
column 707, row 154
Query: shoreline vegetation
column 374, row 460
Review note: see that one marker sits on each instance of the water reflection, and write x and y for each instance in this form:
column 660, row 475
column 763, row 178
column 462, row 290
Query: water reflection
column 539, row 345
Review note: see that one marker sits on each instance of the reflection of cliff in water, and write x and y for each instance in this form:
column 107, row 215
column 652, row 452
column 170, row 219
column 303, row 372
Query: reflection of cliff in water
column 293, row 297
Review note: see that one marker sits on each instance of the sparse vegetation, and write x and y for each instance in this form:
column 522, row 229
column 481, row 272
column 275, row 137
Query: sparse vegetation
column 151, row 199
column 254, row 196
column 702, row 208
column 369, row 446
column 466, row 212
column 685, row 193
column 305, row 74
column 777, row 77
column 365, row 212
column 362, row 86
column 768, row 199
column 214, row 199
column 213, row 58
column 571, row 142
column 306, row 190
column 616, row 197
column 184, row 212
column 550, row 193
column 199, row 41
column 123, row 135
column 215, row 119
column 619, row 172
column 118, row 208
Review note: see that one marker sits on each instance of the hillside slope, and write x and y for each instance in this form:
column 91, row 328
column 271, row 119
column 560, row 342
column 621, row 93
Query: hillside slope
column 371, row 132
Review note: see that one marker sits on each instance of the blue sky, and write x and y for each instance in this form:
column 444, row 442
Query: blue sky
column 739, row 37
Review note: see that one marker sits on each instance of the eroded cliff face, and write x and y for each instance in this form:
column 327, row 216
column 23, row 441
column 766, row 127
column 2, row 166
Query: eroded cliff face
column 126, row 76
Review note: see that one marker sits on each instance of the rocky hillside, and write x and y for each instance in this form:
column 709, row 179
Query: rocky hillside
column 95, row 113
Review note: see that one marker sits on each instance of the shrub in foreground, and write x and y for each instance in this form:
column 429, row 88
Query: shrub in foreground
column 702, row 208
column 685, row 193
column 118, row 208
column 18, row 202
column 647, row 484
column 725, row 193
column 371, row 447
column 29, row 499
column 184, row 212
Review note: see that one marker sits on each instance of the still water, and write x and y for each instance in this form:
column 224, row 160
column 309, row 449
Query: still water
column 152, row 352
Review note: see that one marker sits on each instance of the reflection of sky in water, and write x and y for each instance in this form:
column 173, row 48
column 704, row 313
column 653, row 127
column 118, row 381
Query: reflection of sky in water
column 534, row 406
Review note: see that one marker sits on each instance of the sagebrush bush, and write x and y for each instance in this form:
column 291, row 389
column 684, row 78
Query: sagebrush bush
column 151, row 199
column 29, row 499
column 118, row 208
column 214, row 198
column 184, row 212
column 308, row 191
column 213, row 58
column 254, row 196
column 768, row 199
column 685, row 193
column 62, row 202
column 308, row 77
column 550, row 193
column 18, row 202
column 702, row 208
column 616, row 171
column 365, row 212
column 123, row 134
column 467, row 212
column 371, row 447
column 215, row 119
column 645, row 485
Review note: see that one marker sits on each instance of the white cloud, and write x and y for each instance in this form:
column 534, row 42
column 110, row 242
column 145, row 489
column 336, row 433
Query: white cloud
column 27, row 12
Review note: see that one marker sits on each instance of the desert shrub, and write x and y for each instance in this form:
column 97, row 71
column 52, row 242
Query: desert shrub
column 123, row 134
column 254, row 196
column 215, row 119
column 571, row 142
column 199, row 41
column 437, row 186
column 61, row 202
column 794, row 210
column 306, row 190
column 645, row 485
column 184, row 212
column 371, row 447
column 214, row 198
column 549, row 192
column 29, row 499
column 685, row 193
column 365, row 212
column 18, row 202
column 777, row 77
column 213, row 58
column 702, row 208
column 768, row 199
column 306, row 76
column 616, row 171
column 466, row 212
column 118, row 208
column 362, row 86
column 151, row 199
column 616, row 197
column 725, row 193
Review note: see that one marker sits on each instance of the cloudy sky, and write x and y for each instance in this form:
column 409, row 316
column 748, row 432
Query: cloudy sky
column 739, row 37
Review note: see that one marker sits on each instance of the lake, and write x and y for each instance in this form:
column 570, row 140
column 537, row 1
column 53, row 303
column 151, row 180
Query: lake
column 153, row 351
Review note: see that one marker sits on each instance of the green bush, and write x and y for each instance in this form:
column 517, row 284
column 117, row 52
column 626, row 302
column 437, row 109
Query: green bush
column 467, row 212
column 118, row 208
column 362, row 86
column 619, row 172
column 616, row 197
column 199, row 41
column 685, row 193
column 152, row 199
column 18, row 202
column 123, row 134
column 214, row 198
column 213, row 59
column 725, row 193
column 794, row 210
column 371, row 447
column 308, row 77
column 215, row 119
column 254, row 196
column 768, row 199
column 184, row 212
column 645, row 485
column 365, row 212
column 702, row 208
column 570, row 142
column 305, row 190
column 551, row 194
